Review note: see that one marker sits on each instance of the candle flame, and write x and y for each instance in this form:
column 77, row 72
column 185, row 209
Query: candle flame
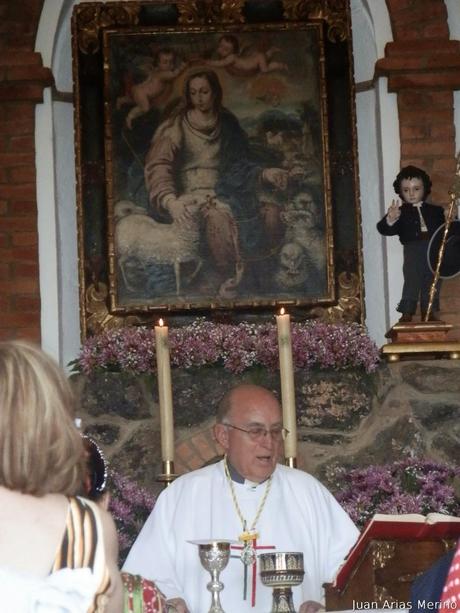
column 161, row 322
column 282, row 311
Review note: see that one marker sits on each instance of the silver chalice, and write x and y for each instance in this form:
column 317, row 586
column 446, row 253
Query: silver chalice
column 280, row 571
column 214, row 556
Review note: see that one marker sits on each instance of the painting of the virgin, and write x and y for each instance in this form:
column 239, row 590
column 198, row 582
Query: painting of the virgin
column 219, row 180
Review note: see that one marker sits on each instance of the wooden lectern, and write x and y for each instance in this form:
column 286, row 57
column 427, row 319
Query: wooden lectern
column 384, row 572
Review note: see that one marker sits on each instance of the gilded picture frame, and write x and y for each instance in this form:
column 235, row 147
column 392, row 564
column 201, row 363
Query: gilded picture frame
column 208, row 182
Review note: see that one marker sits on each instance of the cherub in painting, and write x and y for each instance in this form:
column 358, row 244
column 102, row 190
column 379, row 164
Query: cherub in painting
column 241, row 62
column 155, row 87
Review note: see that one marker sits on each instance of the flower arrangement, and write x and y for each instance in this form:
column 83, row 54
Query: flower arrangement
column 235, row 346
column 130, row 505
column 412, row 485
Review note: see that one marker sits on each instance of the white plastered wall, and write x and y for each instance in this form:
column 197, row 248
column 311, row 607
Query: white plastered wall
column 379, row 157
column 56, row 197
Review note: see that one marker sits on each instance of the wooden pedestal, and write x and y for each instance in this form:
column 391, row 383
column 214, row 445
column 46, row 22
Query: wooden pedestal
column 415, row 338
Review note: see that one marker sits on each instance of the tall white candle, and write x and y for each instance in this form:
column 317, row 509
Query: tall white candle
column 164, row 392
column 283, row 323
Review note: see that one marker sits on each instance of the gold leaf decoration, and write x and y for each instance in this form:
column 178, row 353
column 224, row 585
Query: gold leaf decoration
column 98, row 317
column 202, row 12
column 93, row 18
column 333, row 12
column 348, row 307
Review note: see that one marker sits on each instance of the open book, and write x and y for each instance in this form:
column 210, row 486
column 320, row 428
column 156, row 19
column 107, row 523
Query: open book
column 408, row 527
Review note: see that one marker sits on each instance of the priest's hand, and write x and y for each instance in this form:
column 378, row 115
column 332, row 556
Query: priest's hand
column 176, row 605
column 310, row 606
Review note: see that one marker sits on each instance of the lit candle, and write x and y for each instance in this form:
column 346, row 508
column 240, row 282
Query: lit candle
column 164, row 392
column 283, row 322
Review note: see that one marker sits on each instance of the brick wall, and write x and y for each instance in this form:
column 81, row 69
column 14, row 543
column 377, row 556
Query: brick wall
column 423, row 68
column 22, row 79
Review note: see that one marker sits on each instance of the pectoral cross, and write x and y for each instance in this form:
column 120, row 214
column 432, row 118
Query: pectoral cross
column 249, row 558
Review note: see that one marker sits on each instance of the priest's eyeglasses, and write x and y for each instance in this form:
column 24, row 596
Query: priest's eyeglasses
column 256, row 433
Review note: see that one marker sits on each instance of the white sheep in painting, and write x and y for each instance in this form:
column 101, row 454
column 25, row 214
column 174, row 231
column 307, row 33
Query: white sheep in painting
column 139, row 236
column 126, row 207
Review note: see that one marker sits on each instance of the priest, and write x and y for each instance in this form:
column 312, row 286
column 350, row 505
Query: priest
column 248, row 498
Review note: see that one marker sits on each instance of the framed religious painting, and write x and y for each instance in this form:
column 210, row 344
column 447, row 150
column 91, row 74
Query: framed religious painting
column 216, row 148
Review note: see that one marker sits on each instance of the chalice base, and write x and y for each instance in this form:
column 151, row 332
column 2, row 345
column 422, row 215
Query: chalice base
column 215, row 586
column 282, row 600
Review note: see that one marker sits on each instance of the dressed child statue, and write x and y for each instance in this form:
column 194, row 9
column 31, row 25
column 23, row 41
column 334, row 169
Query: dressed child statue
column 415, row 221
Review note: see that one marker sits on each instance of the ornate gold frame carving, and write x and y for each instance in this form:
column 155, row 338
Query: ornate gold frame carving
column 90, row 21
column 331, row 11
column 208, row 12
column 94, row 17
column 99, row 318
column 348, row 307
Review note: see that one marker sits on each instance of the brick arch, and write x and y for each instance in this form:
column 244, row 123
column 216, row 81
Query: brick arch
column 21, row 88
column 415, row 19
column 423, row 68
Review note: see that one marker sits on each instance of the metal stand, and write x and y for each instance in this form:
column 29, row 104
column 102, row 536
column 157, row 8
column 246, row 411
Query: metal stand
column 168, row 475
column 291, row 462
column 282, row 600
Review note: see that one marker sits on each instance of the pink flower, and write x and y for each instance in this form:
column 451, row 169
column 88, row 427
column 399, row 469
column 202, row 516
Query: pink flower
column 412, row 485
column 130, row 505
column 235, row 346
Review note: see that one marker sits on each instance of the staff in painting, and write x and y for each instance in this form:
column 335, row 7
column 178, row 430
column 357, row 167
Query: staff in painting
column 283, row 322
column 165, row 400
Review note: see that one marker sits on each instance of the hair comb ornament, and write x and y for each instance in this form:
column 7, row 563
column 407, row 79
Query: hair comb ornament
column 96, row 479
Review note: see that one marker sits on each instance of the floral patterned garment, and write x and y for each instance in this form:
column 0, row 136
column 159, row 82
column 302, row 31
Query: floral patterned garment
column 141, row 595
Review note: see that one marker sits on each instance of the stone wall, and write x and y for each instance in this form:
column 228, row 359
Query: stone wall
column 344, row 417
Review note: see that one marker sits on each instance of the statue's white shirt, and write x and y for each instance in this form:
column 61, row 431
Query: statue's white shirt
column 299, row 515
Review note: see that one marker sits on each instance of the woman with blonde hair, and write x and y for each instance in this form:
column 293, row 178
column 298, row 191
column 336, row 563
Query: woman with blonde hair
column 58, row 551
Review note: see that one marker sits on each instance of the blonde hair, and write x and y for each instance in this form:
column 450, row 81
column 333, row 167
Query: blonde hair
column 41, row 450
